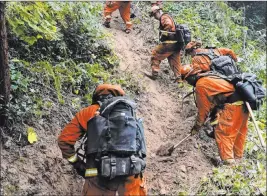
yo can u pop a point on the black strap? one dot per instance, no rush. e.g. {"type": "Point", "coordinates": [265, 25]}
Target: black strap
{"type": "Point", "coordinates": [233, 98]}
{"type": "Point", "coordinates": [113, 166]}
{"type": "Point", "coordinates": [82, 147]}
{"type": "Point", "coordinates": [102, 145]}
{"type": "Point", "coordinates": [133, 161]}
{"type": "Point", "coordinates": [194, 94]}
{"type": "Point", "coordinates": [211, 54]}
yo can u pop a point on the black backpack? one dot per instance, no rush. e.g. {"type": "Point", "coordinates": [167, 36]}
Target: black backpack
{"type": "Point", "coordinates": [247, 87]}
{"type": "Point", "coordinates": [224, 65]}
{"type": "Point", "coordinates": [115, 138]}
{"type": "Point", "coordinates": [182, 33]}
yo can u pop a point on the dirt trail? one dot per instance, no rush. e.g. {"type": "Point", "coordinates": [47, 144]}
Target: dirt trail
{"type": "Point", "coordinates": [164, 120]}
{"type": "Point", "coordinates": [39, 169]}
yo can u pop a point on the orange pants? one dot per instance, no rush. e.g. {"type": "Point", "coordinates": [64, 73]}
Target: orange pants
{"type": "Point", "coordinates": [163, 51]}
{"type": "Point", "coordinates": [124, 8]}
{"type": "Point", "coordinates": [231, 131]}
{"type": "Point", "coordinates": [130, 186]}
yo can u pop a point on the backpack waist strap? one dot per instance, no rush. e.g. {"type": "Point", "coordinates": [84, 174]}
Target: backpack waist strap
{"type": "Point", "coordinates": [234, 98]}
{"type": "Point", "coordinates": [237, 103]}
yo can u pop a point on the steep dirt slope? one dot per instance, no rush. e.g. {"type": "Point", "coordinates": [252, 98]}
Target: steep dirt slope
{"type": "Point", "coordinates": [39, 169]}
{"type": "Point", "coordinates": [164, 119]}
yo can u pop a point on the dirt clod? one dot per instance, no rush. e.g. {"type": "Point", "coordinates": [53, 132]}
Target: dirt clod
{"type": "Point", "coordinates": [165, 150]}
{"type": "Point", "coordinates": [165, 159]}
{"type": "Point", "coordinates": [182, 168]}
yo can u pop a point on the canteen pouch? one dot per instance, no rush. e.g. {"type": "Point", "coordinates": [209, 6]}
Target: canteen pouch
{"type": "Point", "coordinates": [121, 166]}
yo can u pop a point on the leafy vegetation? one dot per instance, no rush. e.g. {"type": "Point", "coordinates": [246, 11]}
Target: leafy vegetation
{"type": "Point", "coordinates": [217, 24]}
{"type": "Point", "coordinates": [57, 57]}
{"type": "Point", "coordinates": [247, 178]}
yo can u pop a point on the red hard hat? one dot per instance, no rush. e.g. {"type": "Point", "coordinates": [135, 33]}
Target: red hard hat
{"type": "Point", "coordinates": [185, 71]}
{"type": "Point", "coordinates": [106, 89]}
{"type": "Point", "coordinates": [188, 70]}
{"type": "Point", "coordinates": [193, 45]}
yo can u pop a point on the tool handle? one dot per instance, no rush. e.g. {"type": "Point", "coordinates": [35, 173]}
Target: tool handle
{"type": "Point", "coordinates": [256, 126]}
{"type": "Point", "coordinates": [175, 146]}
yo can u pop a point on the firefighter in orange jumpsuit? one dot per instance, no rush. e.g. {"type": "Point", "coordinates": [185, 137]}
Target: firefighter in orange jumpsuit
{"type": "Point", "coordinates": [231, 124]}
{"type": "Point", "coordinates": [125, 12]}
{"type": "Point", "coordinates": [168, 48]}
{"type": "Point", "coordinates": [194, 47]}
{"type": "Point", "coordinates": [74, 131]}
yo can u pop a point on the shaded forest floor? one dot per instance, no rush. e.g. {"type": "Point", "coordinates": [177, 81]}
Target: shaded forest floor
{"type": "Point", "coordinates": [40, 170]}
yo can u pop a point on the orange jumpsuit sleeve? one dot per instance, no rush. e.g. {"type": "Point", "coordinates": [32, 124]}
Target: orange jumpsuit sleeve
{"type": "Point", "coordinates": [167, 23]}
{"type": "Point", "coordinates": [227, 51]}
{"type": "Point", "coordinates": [206, 89]}
{"type": "Point", "coordinates": [75, 130]}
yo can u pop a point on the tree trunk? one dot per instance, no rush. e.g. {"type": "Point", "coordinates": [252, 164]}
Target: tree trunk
{"type": "Point", "coordinates": [4, 69]}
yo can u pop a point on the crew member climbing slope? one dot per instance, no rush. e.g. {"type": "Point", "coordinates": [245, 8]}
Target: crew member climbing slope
{"type": "Point", "coordinates": [125, 12]}
{"type": "Point", "coordinates": [108, 168]}
{"type": "Point", "coordinates": [168, 48]}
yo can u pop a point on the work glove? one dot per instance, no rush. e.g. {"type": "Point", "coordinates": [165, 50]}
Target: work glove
{"type": "Point", "coordinates": [195, 130]}
{"type": "Point", "coordinates": [110, 3]}
{"type": "Point", "coordinates": [80, 167]}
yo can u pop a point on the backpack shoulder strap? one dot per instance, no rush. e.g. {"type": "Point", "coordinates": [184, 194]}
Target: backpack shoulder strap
{"type": "Point", "coordinates": [213, 74]}
{"type": "Point", "coordinates": [209, 54]}
{"type": "Point", "coordinates": [109, 105]}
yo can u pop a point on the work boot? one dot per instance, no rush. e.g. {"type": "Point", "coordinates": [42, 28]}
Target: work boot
{"type": "Point", "coordinates": [238, 161]}
{"type": "Point", "coordinates": [127, 31]}
{"type": "Point", "coordinates": [107, 24]}
{"type": "Point", "coordinates": [155, 74]}
{"type": "Point", "coordinates": [216, 161]}
{"type": "Point", "coordinates": [155, 71]}
{"type": "Point", "coordinates": [230, 162]}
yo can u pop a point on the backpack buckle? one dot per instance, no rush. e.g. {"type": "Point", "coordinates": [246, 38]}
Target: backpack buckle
{"type": "Point", "coordinates": [133, 159]}
{"type": "Point", "coordinates": [112, 161]}
{"type": "Point", "coordinates": [127, 120]}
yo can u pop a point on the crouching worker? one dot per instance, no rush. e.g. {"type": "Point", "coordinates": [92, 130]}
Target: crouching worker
{"type": "Point", "coordinates": [232, 117]}
{"type": "Point", "coordinates": [115, 147]}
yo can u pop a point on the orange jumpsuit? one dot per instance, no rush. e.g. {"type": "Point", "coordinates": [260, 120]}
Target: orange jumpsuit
{"type": "Point", "coordinates": [94, 185]}
{"type": "Point", "coordinates": [231, 130]}
{"type": "Point", "coordinates": [124, 8]}
{"type": "Point", "coordinates": [168, 49]}
{"type": "Point", "coordinates": [203, 61]}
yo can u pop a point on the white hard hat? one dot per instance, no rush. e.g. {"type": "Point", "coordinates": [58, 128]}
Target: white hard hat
{"type": "Point", "coordinates": [155, 8]}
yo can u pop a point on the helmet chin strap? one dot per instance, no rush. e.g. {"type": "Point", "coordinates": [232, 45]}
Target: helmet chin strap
{"type": "Point", "coordinates": [192, 80]}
